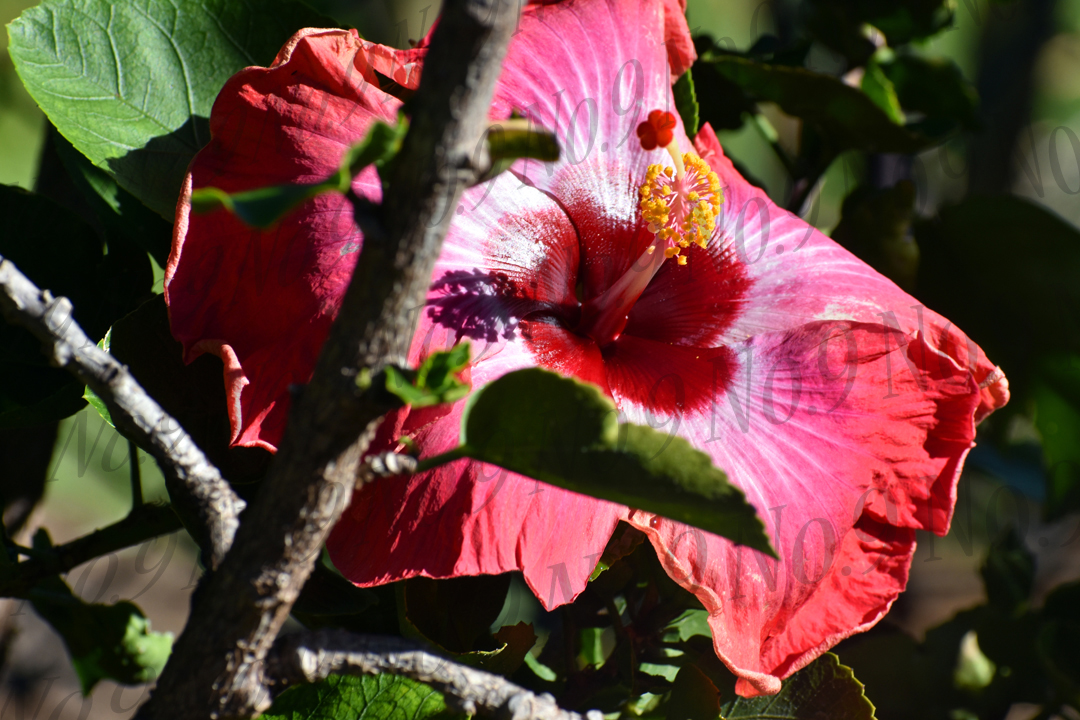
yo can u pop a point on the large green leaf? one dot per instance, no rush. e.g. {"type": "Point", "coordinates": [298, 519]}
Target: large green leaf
{"type": "Point", "coordinates": [1004, 269]}
{"type": "Point", "coordinates": [845, 117]}
{"type": "Point", "coordinates": [63, 254]}
{"type": "Point", "coordinates": [456, 613]}
{"type": "Point", "coordinates": [120, 213]}
{"type": "Point", "coordinates": [378, 697]}
{"type": "Point", "coordinates": [567, 433]}
{"type": "Point", "coordinates": [822, 689]}
{"type": "Point", "coordinates": [1008, 573]}
{"type": "Point", "coordinates": [130, 82]}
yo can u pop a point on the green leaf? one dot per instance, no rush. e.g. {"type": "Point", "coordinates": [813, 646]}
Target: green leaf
{"type": "Point", "coordinates": [63, 254]}
{"type": "Point", "coordinates": [327, 598]}
{"type": "Point", "coordinates": [876, 226]}
{"type": "Point", "coordinates": [104, 641]}
{"type": "Point", "coordinates": [693, 696]}
{"type": "Point", "coordinates": [879, 88]}
{"type": "Point", "coordinates": [937, 89]}
{"type": "Point", "coordinates": [514, 641]}
{"type": "Point", "coordinates": [378, 697]}
{"type": "Point", "coordinates": [1056, 394]}
{"type": "Point", "coordinates": [264, 207]}
{"type": "Point", "coordinates": [686, 102]}
{"type": "Point", "coordinates": [692, 622]}
{"type": "Point", "coordinates": [1004, 269]}
{"type": "Point", "coordinates": [1009, 573]}
{"type": "Point", "coordinates": [131, 83]}
{"type": "Point", "coordinates": [566, 433]}
{"type": "Point", "coordinates": [92, 397]}
{"type": "Point", "coordinates": [433, 383]}
{"type": "Point", "coordinates": [456, 613]}
{"type": "Point", "coordinates": [845, 117]}
{"type": "Point", "coordinates": [822, 689]}
{"type": "Point", "coordinates": [121, 214]}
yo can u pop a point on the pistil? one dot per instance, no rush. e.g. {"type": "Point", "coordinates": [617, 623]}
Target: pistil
{"type": "Point", "coordinates": [680, 205]}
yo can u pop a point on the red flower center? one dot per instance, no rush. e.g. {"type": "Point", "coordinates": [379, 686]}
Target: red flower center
{"type": "Point", "coordinates": [595, 298]}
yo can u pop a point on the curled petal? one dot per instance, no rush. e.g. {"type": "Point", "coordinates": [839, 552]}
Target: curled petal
{"type": "Point", "coordinates": [263, 300]}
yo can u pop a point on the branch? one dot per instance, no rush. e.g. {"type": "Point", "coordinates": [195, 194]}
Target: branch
{"type": "Point", "coordinates": [312, 656]}
{"type": "Point", "coordinates": [143, 523]}
{"type": "Point", "coordinates": [216, 665]}
{"type": "Point", "coordinates": [195, 485]}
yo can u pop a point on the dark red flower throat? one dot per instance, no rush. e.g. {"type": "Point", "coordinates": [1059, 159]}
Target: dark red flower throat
{"type": "Point", "coordinates": [660, 348]}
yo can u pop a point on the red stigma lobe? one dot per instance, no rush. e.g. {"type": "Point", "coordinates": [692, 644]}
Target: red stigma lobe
{"type": "Point", "coordinates": [657, 131]}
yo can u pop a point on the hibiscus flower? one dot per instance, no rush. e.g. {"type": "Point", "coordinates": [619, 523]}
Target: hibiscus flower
{"type": "Point", "coordinates": [641, 262]}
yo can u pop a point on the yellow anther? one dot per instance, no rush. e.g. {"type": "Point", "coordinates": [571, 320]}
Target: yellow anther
{"type": "Point", "coordinates": [681, 207]}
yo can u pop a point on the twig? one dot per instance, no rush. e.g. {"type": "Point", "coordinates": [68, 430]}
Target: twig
{"type": "Point", "coordinates": [216, 665]}
{"type": "Point", "coordinates": [387, 464]}
{"type": "Point", "coordinates": [312, 656]}
{"type": "Point", "coordinates": [195, 485]}
{"type": "Point", "coordinates": [136, 476]}
{"type": "Point", "coordinates": [143, 523]}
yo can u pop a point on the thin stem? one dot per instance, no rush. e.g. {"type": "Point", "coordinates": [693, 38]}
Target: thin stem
{"type": "Point", "coordinates": [136, 476]}
{"type": "Point", "coordinates": [442, 458]}
{"type": "Point", "coordinates": [141, 524]}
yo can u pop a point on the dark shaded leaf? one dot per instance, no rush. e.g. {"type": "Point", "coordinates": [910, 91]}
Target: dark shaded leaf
{"type": "Point", "coordinates": [937, 89]}
{"type": "Point", "coordinates": [341, 697]}
{"type": "Point", "coordinates": [514, 643]}
{"type": "Point", "coordinates": [822, 689]}
{"type": "Point", "coordinates": [693, 696]}
{"type": "Point", "coordinates": [60, 253]}
{"type": "Point", "coordinates": [1008, 573]}
{"type": "Point", "coordinates": [1004, 269]}
{"type": "Point", "coordinates": [1056, 393]}
{"type": "Point", "coordinates": [193, 394]}
{"type": "Point", "coordinates": [566, 432]}
{"type": "Point", "coordinates": [131, 84]}
{"type": "Point", "coordinates": [844, 117]}
{"type": "Point", "coordinates": [839, 23]}
{"type": "Point", "coordinates": [876, 226]}
{"type": "Point", "coordinates": [327, 598]}
{"type": "Point", "coordinates": [457, 613]}
{"type": "Point", "coordinates": [121, 214]}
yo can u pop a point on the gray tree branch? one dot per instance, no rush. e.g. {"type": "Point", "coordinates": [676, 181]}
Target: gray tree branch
{"type": "Point", "coordinates": [312, 656]}
{"type": "Point", "coordinates": [216, 667]}
{"type": "Point", "coordinates": [196, 487]}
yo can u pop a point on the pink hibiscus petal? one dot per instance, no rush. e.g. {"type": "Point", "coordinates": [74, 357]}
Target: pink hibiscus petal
{"type": "Point", "coordinates": [469, 518]}
{"type": "Point", "coordinates": [828, 432]}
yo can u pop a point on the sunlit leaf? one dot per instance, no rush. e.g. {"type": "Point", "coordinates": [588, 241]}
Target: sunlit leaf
{"type": "Point", "coordinates": [131, 84]}
{"type": "Point", "coordinates": [567, 433]}
{"type": "Point", "coordinates": [822, 689]}
{"type": "Point", "coordinates": [341, 697]}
